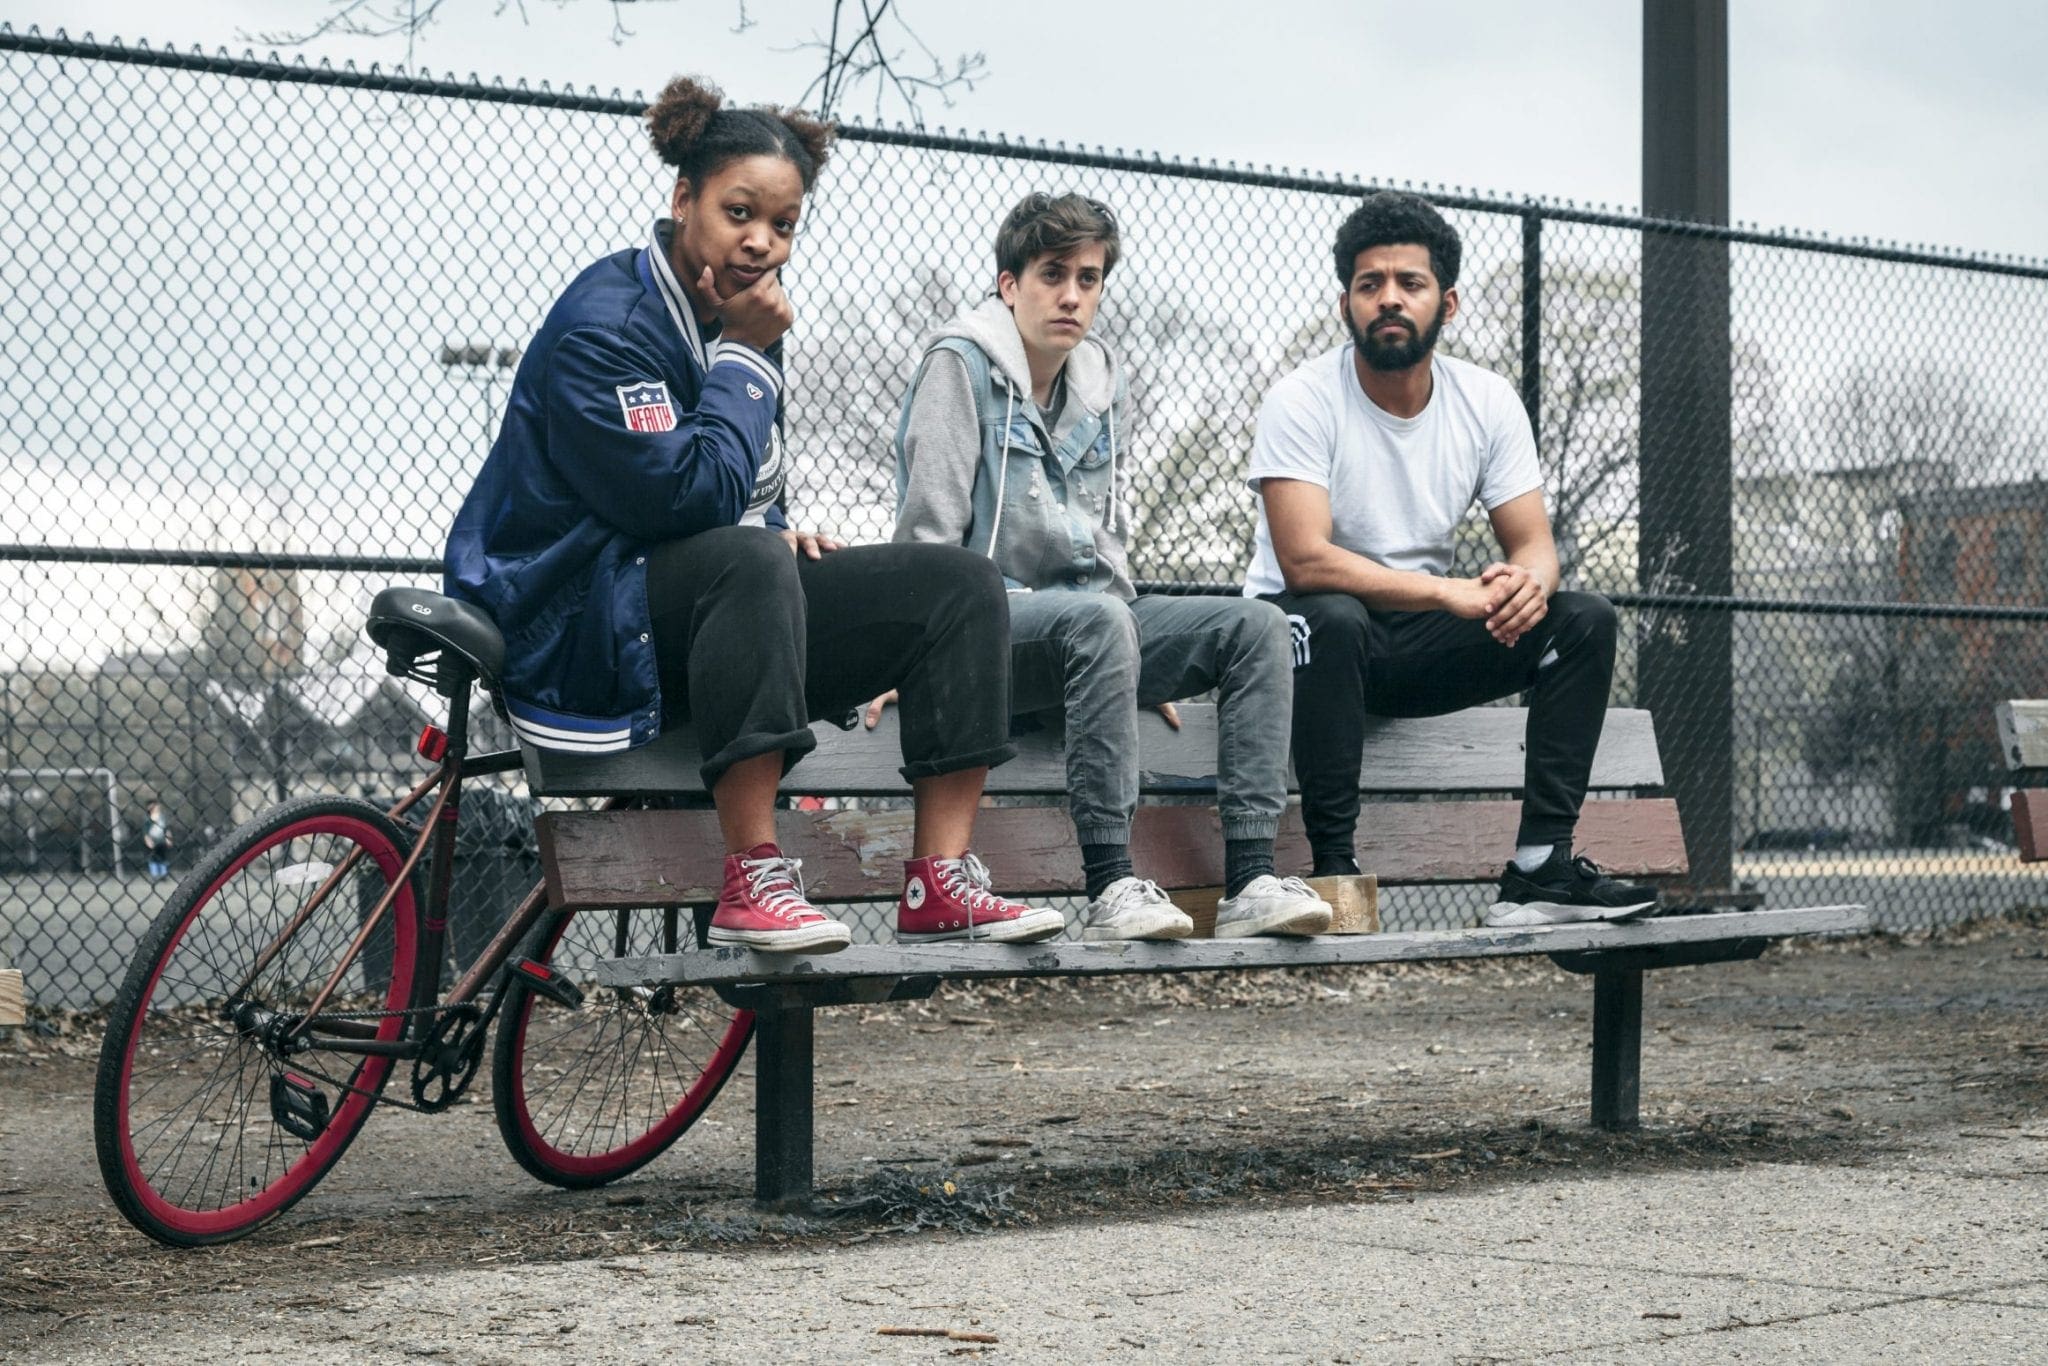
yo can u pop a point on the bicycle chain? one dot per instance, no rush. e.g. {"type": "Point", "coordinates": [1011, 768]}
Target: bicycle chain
{"type": "Point", "coordinates": [378, 1097]}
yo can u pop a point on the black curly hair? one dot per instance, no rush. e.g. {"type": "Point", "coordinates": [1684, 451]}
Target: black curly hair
{"type": "Point", "coordinates": [695, 131]}
{"type": "Point", "coordinates": [1393, 218]}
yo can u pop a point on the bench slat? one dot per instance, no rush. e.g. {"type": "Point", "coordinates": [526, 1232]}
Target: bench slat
{"type": "Point", "coordinates": [2023, 733]}
{"type": "Point", "coordinates": [1479, 750]}
{"type": "Point", "coordinates": [664, 858]}
{"type": "Point", "coordinates": [2030, 823]}
{"type": "Point", "coordinates": [722, 966]}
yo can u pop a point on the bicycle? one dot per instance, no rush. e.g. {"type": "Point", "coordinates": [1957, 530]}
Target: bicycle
{"type": "Point", "coordinates": [296, 968]}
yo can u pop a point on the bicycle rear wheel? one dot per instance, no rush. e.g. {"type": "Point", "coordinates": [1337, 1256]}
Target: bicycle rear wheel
{"type": "Point", "coordinates": [204, 1125]}
{"type": "Point", "coordinates": [586, 1095]}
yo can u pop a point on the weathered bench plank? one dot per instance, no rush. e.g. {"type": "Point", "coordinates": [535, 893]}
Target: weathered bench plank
{"type": "Point", "coordinates": [1471, 751]}
{"type": "Point", "coordinates": [2023, 739]}
{"type": "Point", "coordinates": [2030, 823]}
{"type": "Point", "coordinates": [13, 998]}
{"type": "Point", "coordinates": [674, 858]}
{"type": "Point", "coordinates": [731, 966]}
{"type": "Point", "coordinates": [2023, 733]}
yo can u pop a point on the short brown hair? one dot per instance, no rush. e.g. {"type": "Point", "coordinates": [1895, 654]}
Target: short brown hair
{"type": "Point", "coordinates": [1044, 225]}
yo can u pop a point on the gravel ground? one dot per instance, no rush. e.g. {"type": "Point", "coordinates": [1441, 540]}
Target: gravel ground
{"type": "Point", "coordinates": [1844, 1154]}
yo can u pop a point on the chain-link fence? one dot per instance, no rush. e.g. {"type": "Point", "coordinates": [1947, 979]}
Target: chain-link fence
{"type": "Point", "coordinates": [262, 320]}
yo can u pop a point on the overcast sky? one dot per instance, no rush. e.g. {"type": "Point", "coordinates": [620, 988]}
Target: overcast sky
{"type": "Point", "coordinates": [1904, 121]}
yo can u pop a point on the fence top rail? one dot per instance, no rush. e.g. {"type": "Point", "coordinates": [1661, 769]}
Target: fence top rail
{"type": "Point", "coordinates": [398, 81]}
{"type": "Point", "coordinates": [285, 561]}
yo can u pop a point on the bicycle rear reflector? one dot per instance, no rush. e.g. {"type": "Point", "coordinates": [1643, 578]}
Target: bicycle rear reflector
{"type": "Point", "coordinates": [433, 744]}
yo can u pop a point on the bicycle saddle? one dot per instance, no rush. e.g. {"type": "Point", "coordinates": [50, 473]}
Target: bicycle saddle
{"type": "Point", "coordinates": [410, 622]}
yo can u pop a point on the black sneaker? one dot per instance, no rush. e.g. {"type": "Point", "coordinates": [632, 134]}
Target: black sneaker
{"type": "Point", "coordinates": [1563, 888]}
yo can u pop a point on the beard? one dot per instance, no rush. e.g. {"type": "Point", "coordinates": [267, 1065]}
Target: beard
{"type": "Point", "coordinates": [1403, 349]}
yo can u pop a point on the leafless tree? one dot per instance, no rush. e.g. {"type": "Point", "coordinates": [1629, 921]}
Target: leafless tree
{"type": "Point", "coordinates": [865, 48]}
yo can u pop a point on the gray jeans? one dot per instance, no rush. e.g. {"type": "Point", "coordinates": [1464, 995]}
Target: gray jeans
{"type": "Point", "coordinates": [1094, 660]}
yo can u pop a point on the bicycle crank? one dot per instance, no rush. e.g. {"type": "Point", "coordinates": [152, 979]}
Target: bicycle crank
{"type": "Point", "coordinates": [448, 1059]}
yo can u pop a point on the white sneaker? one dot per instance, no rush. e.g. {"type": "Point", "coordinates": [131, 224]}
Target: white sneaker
{"type": "Point", "coordinates": [1272, 905]}
{"type": "Point", "coordinates": [1134, 908]}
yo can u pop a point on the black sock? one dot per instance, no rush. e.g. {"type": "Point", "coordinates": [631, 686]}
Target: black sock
{"type": "Point", "coordinates": [1334, 863]}
{"type": "Point", "coordinates": [1103, 864]}
{"type": "Point", "coordinates": [1244, 860]}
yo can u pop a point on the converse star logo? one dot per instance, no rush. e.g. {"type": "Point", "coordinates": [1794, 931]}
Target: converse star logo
{"type": "Point", "coordinates": [754, 391]}
{"type": "Point", "coordinates": [913, 895]}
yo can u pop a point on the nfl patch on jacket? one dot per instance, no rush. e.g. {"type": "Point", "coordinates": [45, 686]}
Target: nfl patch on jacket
{"type": "Point", "coordinates": [647, 408]}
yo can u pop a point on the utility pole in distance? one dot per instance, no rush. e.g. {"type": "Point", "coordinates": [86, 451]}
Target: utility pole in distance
{"type": "Point", "coordinates": [1685, 666]}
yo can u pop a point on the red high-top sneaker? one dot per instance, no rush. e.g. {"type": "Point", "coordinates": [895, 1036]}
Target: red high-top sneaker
{"type": "Point", "coordinates": [949, 898]}
{"type": "Point", "coordinates": [762, 906]}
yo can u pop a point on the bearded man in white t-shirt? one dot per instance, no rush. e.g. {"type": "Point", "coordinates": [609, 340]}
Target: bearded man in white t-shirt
{"type": "Point", "coordinates": [1366, 459]}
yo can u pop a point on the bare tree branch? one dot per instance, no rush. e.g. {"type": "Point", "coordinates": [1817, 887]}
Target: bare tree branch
{"type": "Point", "coordinates": [875, 54]}
{"type": "Point", "coordinates": [408, 19]}
{"type": "Point", "coordinates": [867, 44]}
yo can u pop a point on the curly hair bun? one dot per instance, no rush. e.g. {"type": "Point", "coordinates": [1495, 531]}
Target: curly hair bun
{"type": "Point", "coordinates": [679, 116]}
{"type": "Point", "coordinates": [815, 137]}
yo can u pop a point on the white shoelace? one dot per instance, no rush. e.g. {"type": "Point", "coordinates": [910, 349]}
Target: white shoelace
{"type": "Point", "coordinates": [787, 899]}
{"type": "Point", "coordinates": [967, 877]}
{"type": "Point", "coordinates": [1139, 891]}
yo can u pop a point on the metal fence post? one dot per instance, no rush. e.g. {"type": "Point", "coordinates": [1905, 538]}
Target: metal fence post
{"type": "Point", "coordinates": [1686, 531]}
{"type": "Point", "coordinates": [1532, 322]}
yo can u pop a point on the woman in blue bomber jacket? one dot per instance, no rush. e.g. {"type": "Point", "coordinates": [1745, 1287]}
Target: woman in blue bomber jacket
{"type": "Point", "coordinates": [626, 535]}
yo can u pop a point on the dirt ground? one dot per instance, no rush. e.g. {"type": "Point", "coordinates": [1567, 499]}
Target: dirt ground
{"type": "Point", "coordinates": [991, 1109]}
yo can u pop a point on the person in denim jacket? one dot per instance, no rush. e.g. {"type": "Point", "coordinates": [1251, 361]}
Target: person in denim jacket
{"type": "Point", "coordinates": [1012, 444]}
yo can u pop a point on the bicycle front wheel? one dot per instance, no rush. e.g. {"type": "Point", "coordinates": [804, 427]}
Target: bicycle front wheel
{"type": "Point", "coordinates": [207, 1118]}
{"type": "Point", "coordinates": [586, 1095]}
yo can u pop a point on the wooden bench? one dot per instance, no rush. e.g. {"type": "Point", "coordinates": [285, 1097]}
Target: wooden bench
{"type": "Point", "coordinates": [13, 999]}
{"type": "Point", "coordinates": [627, 858]}
{"type": "Point", "coordinates": [2023, 739]}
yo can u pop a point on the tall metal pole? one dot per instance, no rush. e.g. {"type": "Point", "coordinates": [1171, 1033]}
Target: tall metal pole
{"type": "Point", "coordinates": [1685, 674]}
{"type": "Point", "coordinates": [1532, 321]}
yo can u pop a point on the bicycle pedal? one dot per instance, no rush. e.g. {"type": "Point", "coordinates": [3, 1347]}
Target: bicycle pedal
{"type": "Point", "coordinates": [549, 983]}
{"type": "Point", "coordinates": [297, 1106]}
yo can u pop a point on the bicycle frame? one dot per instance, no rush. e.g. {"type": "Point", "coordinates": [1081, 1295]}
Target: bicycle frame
{"type": "Point", "coordinates": [455, 764]}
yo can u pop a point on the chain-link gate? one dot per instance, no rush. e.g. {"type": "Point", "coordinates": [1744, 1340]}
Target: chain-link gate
{"type": "Point", "coordinates": [262, 318]}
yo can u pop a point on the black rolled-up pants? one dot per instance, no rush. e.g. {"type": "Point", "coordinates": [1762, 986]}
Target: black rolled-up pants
{"type": "Point", "coordinates": [1350, 660]}
{"type": "Point", "coordinates": [754, 642]}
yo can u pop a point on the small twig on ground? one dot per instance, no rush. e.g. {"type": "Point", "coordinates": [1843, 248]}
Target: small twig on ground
{"type": "Point", "coordinates": [951, 1334]}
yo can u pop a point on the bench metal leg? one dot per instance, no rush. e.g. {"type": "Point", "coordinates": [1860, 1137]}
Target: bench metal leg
{"type": "Point", "coordinates": [1617, 1047]}
{"type": "Point", "coordinates": [782, 1109]}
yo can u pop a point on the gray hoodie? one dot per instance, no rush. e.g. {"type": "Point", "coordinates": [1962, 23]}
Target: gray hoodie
{"type": "Point", "coordinates": [977, 466]}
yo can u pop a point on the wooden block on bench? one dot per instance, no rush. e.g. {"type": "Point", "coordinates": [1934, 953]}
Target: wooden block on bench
{"type": "Point", "coordinates": [1354, 904]}
{"type": "Point", "coordinates": [13, 998]}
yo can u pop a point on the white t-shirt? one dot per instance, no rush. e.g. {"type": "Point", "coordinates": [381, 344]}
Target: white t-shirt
{"type": "Point", "coordinates": [1398, 486]}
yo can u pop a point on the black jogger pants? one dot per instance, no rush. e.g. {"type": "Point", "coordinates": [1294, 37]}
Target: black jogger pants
{"type": "Point", "coordinates": [754, 642]}
{"type": "Point", "coordinates": [1350, 660]}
